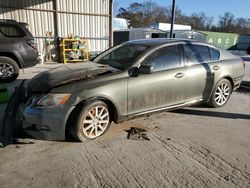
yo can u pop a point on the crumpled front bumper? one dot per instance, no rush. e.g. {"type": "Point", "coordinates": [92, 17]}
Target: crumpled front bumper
{"type": "Point", "coordinates": [46, 123]}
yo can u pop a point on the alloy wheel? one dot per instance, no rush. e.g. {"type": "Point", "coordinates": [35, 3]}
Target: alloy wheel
{"type": "Point", "coordinates": [95, 121]}
{"type": "Point", "coordinates": [6, 70]}
{"type": "Point", "coordinates": [222, 93]}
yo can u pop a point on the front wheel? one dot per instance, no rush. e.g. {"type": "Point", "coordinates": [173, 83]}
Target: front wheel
{"type": "Point", "coordinates": [93, 121]}
{"type": "Point", "coordinates": [221, 94]}
{"type": "Point", "coordinates": [9, 69]}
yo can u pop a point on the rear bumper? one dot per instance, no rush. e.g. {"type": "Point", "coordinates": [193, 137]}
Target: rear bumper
{"type": "Point", "coordinates": [237, 82]}
{"type": "Point", "coordinates": [31, 63]}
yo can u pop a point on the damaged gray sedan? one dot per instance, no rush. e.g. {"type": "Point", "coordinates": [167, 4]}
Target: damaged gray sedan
{"type": "Point", "coordinates": [134, 78]}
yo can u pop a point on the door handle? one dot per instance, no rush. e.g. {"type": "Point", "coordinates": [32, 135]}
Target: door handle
{"type": "Point", "coordinates": [179, 75]}
{"type": "Point", "coordinates": [216, 67]}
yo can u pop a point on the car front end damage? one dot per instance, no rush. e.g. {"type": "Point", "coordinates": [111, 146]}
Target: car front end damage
{"type": "Point", "coordinates": [24, 114]}
{"type": "Point", "coordinates": [44, 122]}
{"type": "Point", "coordinates": [38, 109]}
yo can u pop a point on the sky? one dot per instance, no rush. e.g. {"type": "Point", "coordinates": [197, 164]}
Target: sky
{"type": "Point", "coordinates": [212, 8]}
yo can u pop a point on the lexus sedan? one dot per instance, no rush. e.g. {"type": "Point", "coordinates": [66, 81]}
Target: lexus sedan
{"type": "Point", "coordinates": [134, 78]}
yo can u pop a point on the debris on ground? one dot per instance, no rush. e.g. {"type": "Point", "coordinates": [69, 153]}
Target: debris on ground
{"type": "Point", "coordinates": [137, 134]}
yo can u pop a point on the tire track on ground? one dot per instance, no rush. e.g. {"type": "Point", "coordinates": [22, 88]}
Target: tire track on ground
{"type": "Point", "coordinates": [207, 162]}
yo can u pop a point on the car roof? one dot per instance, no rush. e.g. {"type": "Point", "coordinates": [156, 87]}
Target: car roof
{"type": "Point", "coordinates": [13, 22]}
{"type": "Point", "coordinates": [8, 21]}
{"type": "Point", "coordinates": [157, 41]}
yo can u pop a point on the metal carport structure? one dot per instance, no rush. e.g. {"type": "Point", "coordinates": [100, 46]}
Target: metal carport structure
{"type": "Point", "coordinates": [91, 19]}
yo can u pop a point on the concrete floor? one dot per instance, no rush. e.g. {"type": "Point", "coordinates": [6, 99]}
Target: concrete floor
{"type": "Point", "coordinates": [192, 147]}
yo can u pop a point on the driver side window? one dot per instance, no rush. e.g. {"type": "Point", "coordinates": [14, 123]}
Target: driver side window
{"type": "Point", "coordinates": [165, 58]}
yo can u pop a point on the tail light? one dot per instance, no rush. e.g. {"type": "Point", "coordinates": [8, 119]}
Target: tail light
{"type": "Point", "coordinates": [244, 64]}
{"type": "Point", "coordinates": [32, 43]}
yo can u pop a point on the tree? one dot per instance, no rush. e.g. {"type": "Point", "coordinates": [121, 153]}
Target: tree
{"type": "Point", "coordinates": [146, 13]}
{"type": "Point", "coordinates": [242, 25]}
{"type": "Point", "coordinates": [226, 22]}
{"type": "Point", "coordinates": [143, 14]}
{"type": "Point", "coordinates": [180, 18]}
{"type": "Point", "coordinates": [199, 21]}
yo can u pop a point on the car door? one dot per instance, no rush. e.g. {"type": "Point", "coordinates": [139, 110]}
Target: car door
{"type": "Point", "coordinates": [202, 67]}
{"type": "Point", "coordinates": [165, 86]}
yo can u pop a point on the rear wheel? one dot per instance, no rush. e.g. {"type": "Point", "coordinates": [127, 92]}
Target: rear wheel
{"type": "Point", "coordinates": [9, 69]}
{"type": "Point", "coordinates": [93, 121]}
{"type": "Point", "coordinates": [221, 94]}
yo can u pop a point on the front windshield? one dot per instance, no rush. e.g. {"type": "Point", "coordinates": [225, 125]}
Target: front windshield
{"type": "Point", "coordinates": [123, 57]}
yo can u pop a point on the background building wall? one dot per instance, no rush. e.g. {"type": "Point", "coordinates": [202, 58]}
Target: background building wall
{"type": "Point", "coordinates": [91, 19]}
{"type": "Point", "coordinates": [85, 18]}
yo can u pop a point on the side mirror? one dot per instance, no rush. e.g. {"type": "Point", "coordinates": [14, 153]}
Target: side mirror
{"type": "Point", "coordinates": [133, 72]}
{"type": "Point", "coordinates": [145, 69]}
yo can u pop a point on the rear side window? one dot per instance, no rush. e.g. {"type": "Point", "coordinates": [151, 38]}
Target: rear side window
{"type": "Point", "coordinates": [215, 54]}
{"type": "Point", "coordinates": [195, 54]}
{"type": "Point", "coordinates": [9, 30]}
{"type": "Point", "coordinates": [165, 58]}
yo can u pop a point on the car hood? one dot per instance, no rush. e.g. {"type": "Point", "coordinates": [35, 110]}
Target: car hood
{"type": "Point", "coordinates": [66, 74]}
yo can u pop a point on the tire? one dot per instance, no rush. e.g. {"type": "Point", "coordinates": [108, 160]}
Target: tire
{"type": "Point", "coordinates": [89, 124]}
{"type": "Point", "coordinates": [9, 69]}
{"type": "Point", "coordinates": [221, 94]}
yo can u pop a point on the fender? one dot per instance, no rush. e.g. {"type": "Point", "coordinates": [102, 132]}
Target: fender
{"type": "Point", "coordinates": [223, 77]}
{"type": "Point", "coordinates": [117, 115]}
{"type": "Point", "coordinates": [15, 54]}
